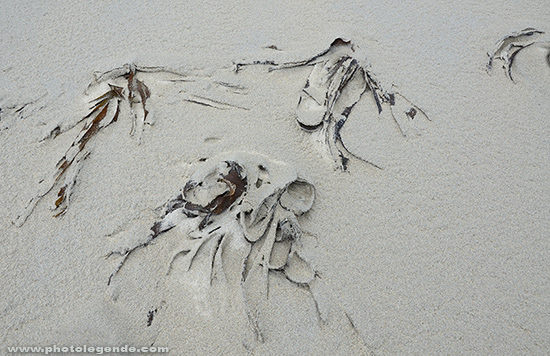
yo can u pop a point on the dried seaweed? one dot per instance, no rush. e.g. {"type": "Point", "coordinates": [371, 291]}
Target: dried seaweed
{"type": "Point", "coordinates": [510, 46]}
{"type": "Point", "coordinates": [137, 91]}
{"type": "Point", "coordinates": [335, 85]}
{"type": "Point", "coordinates": [240, 197]}
{"type": "Point", "coordinates": [233, 88]}
{"type": "Point", "coordinates": [150, 316]}
{"type": "Point", "coordinates": [200, 100]}
{"type": "Point", "coordinates": [11, 113]}
{"type": "Point", "coordinates": [104, 111]}
{"type": "Point", "coordinates": [121, 83]}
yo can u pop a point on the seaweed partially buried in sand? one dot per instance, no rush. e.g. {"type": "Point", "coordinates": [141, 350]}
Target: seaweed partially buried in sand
{"type": "Point", "coordinates": [115, 86]}
{"type": "Point", "coordinates": [105, 111]}
{"type": "Point", "coordinates": [335, 85]}
{"type": "Point", "coordinates": [508, 47]}
{"type": "Point", "coordinates": [246, 202]}
{"type": "Point", "coordinates": [13, 112]}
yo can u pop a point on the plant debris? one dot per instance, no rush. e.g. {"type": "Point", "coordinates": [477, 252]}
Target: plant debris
{"type": "Point", "coordinates": [244, 198]}
{"type": "Point", "coordinates": [104, 111]}
{"type": "Point", "coordinates": [137, 92]}
{"type": "Point", "coordinates": [216, 104]}
{"type": "Point", "coordinates": [120, 84]}
{"type": "Point", "coordinates": [510, 46]}
{"type": "Point", "coordinates": [13, 112]}
{"type": "Point", "coordinates": [150, 316]}
{"type": "Point", "coordinates": [335, 85]}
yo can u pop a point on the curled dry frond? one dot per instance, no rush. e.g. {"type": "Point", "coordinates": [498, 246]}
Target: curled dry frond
{"type": "Point", "coordinates": [335, 85]}
{"type": "Point", "coordinates": [508, 47]}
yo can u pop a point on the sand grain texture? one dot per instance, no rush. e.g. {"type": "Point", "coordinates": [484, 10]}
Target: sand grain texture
{"type": "Point", "coordinates": [444, 250]}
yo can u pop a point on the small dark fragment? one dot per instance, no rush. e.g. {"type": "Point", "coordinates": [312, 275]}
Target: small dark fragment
{"type": "Point", "coordinates": [238, 66]}
{"type": "Point", "coordinates": [176, 203]}
{"type": "Point", "coordinates": [150, 316]}
{"type": "Point", "coordinates": [411, 113]}
{"type": "Point", "coordinates": [390, 98]}
{"type": "Point", "coordinates": [55, 132]}
{"type": "Point", "coordinates": [144, 93]}
{"type": "Point", "coordinates": [344, 160]}
{"type": "Point", "coordinates": [159, 228]}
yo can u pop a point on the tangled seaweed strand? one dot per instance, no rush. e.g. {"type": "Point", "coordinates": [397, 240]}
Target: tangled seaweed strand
{"type": "Point", "coordinates": [335, 85]}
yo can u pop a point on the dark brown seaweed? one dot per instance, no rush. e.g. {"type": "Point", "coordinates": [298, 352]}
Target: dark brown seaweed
{"type": "Point", "coordinates": [96, 119]}
{"type": "Point", "coordinates": [236, 184]}
{"type": "Point", "coordinates": [150, 316]}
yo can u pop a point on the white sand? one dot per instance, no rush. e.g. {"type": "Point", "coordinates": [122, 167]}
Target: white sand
{"type": "Point", "coordinates": [444, 251]}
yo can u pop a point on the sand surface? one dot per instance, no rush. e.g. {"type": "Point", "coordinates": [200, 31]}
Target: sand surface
{"type": "Point", "coordinates": [443, 250]}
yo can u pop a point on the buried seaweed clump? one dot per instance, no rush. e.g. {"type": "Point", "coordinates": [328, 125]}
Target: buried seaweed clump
{"type": "Point", "coordinates": [246, 200]}
{"type": "Point", "coordinates": [337, 82]}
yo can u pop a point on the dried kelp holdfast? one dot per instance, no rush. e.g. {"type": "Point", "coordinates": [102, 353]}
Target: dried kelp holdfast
{"type": "Point", "coordinates": [228, 183]}
{"type": "Point", "coordinates": [246, 200]}
{"type": "Point", "coordinates": [508, 47]}
{"type": "Point", "coordinates": [335, 85]}
{"type": "Point", "coordinates": [224, 189]}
